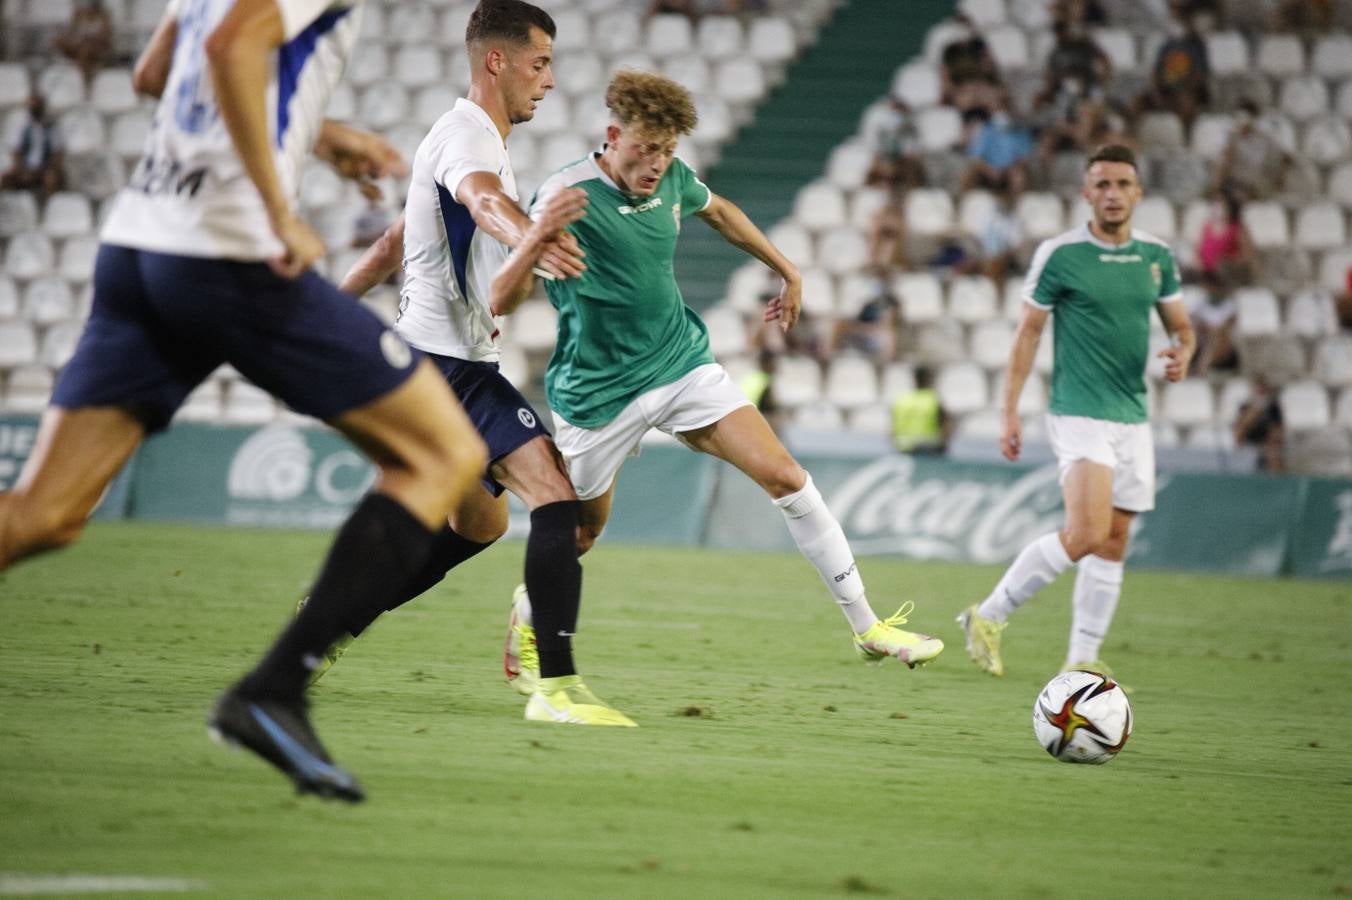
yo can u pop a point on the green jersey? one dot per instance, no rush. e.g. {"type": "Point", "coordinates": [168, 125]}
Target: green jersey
{"type": "Point", "coordinates": [623, 327]}
{"type": "Point", "coordinates": [1102, 296]}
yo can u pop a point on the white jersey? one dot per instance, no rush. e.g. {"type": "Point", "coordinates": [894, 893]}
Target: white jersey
{"type": "Point", "coordinates": [190, 194]}
{"type": "Point", "coordinates": [449, 263]}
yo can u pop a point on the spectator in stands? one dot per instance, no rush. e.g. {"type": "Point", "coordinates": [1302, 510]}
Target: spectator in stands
{"type": "Point", "coordinates": [1091, 122]}
{"type": "Point", "coordinates": [1076, 68]}
{"type": "Point", "coordinates": [1312, 17]}
{"type": "Point", "coordinates": [38, 154]}
{"type": "Point", "coordinates": [1085, 13]}
{"type": "Point", "coordinates": [919, 422]}
{"type": "Point", "coordinates": [687, 8]}
{"type": "Point", "coordinates": [1213, 318]}
{"type": "Point", "coordinates": [1254, 163]}
{"type": "Point", "coordinates": [872, 330]}
{"type": "Point", "coordinates": [1343, 303]}
{"type": "Point", "coordinates": [1225, 249]}
{"type": "Point", "coordinates": [1259, 424]}
{"type": "Point", "coordinates": [887, 233]}
{"type": "Point", "coordinates": [968, 74]}
{"type": "Point", "coordinates": [889, 130]}
{"type": "Point", "coordinates": [804, 339]}
{"type": "Point", "coordinates": [1180, 81]}
{"type": "Point", "coordinates": [997, 148]}
{"type": "Point", "coordinates": [998, 241]}
{"type": "Point", "coordinates": [1207, 15]}
{"type": "Point", "coordinates": [87, 39]}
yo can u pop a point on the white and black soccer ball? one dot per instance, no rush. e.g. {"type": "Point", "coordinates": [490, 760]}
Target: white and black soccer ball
{"type": "Point", "coordinates": [1082, 717]}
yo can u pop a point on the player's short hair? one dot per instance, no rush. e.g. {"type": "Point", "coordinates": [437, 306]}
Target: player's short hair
{"type": "Point", "coordinates": [650, 102]}
{"type": "Point", "coordinates": [1118, 153]}
{"type": "Point", "coordinates": [506, 20]}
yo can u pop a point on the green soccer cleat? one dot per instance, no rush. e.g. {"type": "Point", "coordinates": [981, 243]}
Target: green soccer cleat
{"type": "Point", "coordinates": [520, 657]}
{"type": "Point", "coordinates": [1098, 667]}
{"type": "Point", "coordinates": [331, 655]}
{"type": "Point", "coordinates": [884, 639]}
{"type": "Point", "coordinates": [983, 640]}
{"type": "Point", "coordinates": [566, 700]}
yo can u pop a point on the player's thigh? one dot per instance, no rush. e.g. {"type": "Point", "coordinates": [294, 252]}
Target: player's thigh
{"type": "Point", "coordinates": [481, 515]}
{"type": "Point", "coordinates": [744, 439]}
{"type": "Point", "coordinates": [1114, 547]}
{"type": "Point", "coordinates": [535, 472]}
{"type": "Point", "coordinates": [592, 517]}
{"type": "Point", "coordinates": [1088, 492]}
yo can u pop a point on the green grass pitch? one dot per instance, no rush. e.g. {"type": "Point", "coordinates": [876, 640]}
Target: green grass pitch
{"type": "Point", "coordinates": [769, 761]}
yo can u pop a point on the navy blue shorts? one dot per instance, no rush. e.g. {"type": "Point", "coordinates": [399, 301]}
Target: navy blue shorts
{"type": "Point", "coordinates": [161, 324]}
{"type": "Point", "coordinates": [503, 417]}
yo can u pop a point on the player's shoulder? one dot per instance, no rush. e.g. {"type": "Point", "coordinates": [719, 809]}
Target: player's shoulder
{"type": "Point", "coordinates": [1156, 243]}
{"type": "Point", "coordinates": [574, 174]}
{"type": "Point", "coordinates": [1065, 240]}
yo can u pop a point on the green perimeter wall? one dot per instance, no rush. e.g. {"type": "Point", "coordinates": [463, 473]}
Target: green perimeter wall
{"type": "Point", "coordinates": [916, 507]}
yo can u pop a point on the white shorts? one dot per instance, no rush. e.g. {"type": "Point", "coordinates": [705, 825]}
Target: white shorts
{"type": "Point", "coordinates": [700, 397]}
{"type": "Point", "coordinates": [1127, 449]}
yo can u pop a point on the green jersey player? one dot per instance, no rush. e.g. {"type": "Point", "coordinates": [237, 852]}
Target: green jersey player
{"type": "Point", "coordinates": [632, 356]}
{"type": "Point", "coordinates": [1101, 281]}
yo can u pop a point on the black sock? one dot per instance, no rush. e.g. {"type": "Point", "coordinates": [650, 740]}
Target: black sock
{"type": "Point", "coordinates": [379, 544]}
{"type": "Point", "coordinates": [448, 551]}
{"type": "Point", "coordinates": [554, 582]}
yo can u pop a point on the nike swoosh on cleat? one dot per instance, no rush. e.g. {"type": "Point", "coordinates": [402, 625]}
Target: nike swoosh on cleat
{"type": "Point", "coordinates": [306, 763]}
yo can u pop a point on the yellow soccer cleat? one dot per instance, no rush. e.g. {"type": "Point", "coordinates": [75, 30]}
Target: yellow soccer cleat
{"type": "Point", "coordinates": [567, 701]}
{"type": "Point", "coordinates": [520, 657]}
{"type": "Point", "coordinates": [983, 640]}
{"type": "Point", "coordinates": [884, 639]}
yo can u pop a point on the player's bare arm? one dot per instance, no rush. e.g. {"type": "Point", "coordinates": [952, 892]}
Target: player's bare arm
{"type": "Point", "coordinates": [515, 280]}
{"type": "Point", "coordinates": [152, 67]}
{"type": "Point", "coordinates": [498, 214]}
{"type": "Point", "coordinates": [381, 260]}
{"type": "Point", "coordinates": [1180, 352]}
{"type": "Point", "coordinates": [1021, 355]}
{"type": "Point", "coordinates": [737, 229]}
{"type": "Point", "coordinates": [239, 55]}
{"type": "Point", "coordinates": [360, 156]}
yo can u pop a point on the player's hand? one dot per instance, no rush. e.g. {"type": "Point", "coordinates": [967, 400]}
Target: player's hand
{"type": "Point", "coordinates": [1011, 436]}
{"type": "Point", "coordinates": [302, 244]}
{"type": "Point", "coordinates": [786, 307]}
{"type": "Point", "coordinates": [563, 208]}
{"type": "Point", "coordinates": [563, 257]}
{"type": "Point", "coordinates": [1176, 369]}
{"type": "Point", "coordinates": [361, 156]}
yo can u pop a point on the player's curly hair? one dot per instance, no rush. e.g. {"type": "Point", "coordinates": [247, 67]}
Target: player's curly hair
{"type": "Point", "coordinates": [650, 102]}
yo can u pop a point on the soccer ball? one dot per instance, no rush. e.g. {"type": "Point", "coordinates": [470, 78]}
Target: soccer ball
{"type": "Point", "coordinates": [1082, 717]}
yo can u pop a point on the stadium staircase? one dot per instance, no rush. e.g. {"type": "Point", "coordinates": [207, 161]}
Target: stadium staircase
{"type": "Point", "coordinates": [787, 144]}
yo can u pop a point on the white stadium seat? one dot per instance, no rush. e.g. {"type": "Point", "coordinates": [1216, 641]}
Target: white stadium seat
{"type": "Point", "coordinates": [820, 206]}
{"type": "Point", "coordinates": [573, 30]}
{"type": "Point", "coordinates": [76, 263]}
{"type": "Point", "coordinates": [1189, 403]}
{"type": "Point", "coordinates": [1303, 97]}
{"type": "Point", "coordinates": [771, 40]}
{"type": "Point", "coordinates": [1119, 45]}
{"type": "Point", "coordinates": [418, 66]}
{"type": "Point", "coordinates": [67, 214]}
{"type": "Point", "coordinates": [727, 332]}
{"type": "Point", "coordinates": [9, 298]}
{"type": "Point", "coordinates": [383, 104]}
{"type": "Point", "coordinates": [48, 300]}
{"type": "Point", "coordinates": [1161, 131]}
{"type": "Point", "coordinates": [715, 123]}
{"type": "Point", "coordinates": [1259, 313]}
{"type": "Point", "coordinates": [1281, 55]}
{"type": "Point", "coordinates": [411, 23]}
{"type": "Point", "coordinates": [975, 209]}
{"type": "Point", "coordinates": [851, 382]}
{"type": "Point", "coordinates": [929, 211]}
{"type": "Point", "coordinates": [820, 416]}
{"type": "Point", "coordinates": [972, 299]}
{"type": "Point", "coordinates": [1340, 185]}
{"type": "Point", "coordinates": [874, 419]}
{"type": "Point", "coordinates": [1332, 57]}
{"type": "Point", "coordinates": [1311, 314]}
{"type": "Point", "coordinates": [668, 34]}
{"type": "Point", "coordinates": [794, 241]}
{"type": "Point", "coordinates": [1040, 215]}
{"type": "Point", "coordinates": [29, 255]}
{"type": "Point", "coordinates": [739, 80]}
{"type": "Point", "coordinates": [1009, 46]}
{"type": "Point", "coordinates": [1267, 224]}
{"type": "Point", "coordinates": [1333, 269]}
{"type": "Point", "coordinates": [1321, 226]}
{"type": "Point", "coordinates": [583, 71]}
{"type": "Point", "coordinates": [622, 33]}
{"type": "Point", "coordinates": [128, 135]}
{"type": "Point", "coordinates": [983, 13]}
{"type": "Point", "coordinates": [1327, 140]}
{"type": "Point", "coordinates": [917, 85]}
{"type": "Point", "coordinates": [962, 388]}
{"type": "Point", "coordinates": [15, 86]}
{"type": "Point", "coordinates": [842, 250]}
{"type": "Point", "coordinates": [848, 165]}
{"type": "Point", "coordinates": [819, 294]}
{"type": "Point", "coordinates": [27, 389]}
{"type": "Point", "coordinates": [689, 71]}
{"type": "Point", "coordinates": [18, 344]}
{"type": "Point", "coordinates": [83, 131]}
{"type": "Point", "coordinates": [533, 327]}
{"type": "Point", "coordinates": [1333, 360]}
{"type": "Point", "coordinates": [1342, 409]}
{"type": "Point", "coordinates": [719, 37]}
{"type": "Point", "coordinates": [1227, 52]}
{"type": "Point", "coordinates": [990, 343]}
{"type": "Point", "coordinates": [1210, 133]}
{"type": "Point", "coordinates": [58, 344]}
{"type": "Point", "coordinates": [111, 92]}
{"type": "Point", "coordinates": [369, 63]}
{"type": "Point", "coordinates": [921, 296]}
{"type": "Point", "coordinates": [898, 378]}
{"type": "Point", "coordinates": [18, 213]}
{"type": "Point", "coordinates": [62, 85]}
{"type": "Point", "coordinates": [1155, 215]}
{"type": "Point", "coordinates": [797, 381]}
{"type": "Point", "coordinates": [1305, 406]}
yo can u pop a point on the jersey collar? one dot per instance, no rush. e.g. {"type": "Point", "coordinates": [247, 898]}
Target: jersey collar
{"type": "Point", "coordinates": [475, 111]}
{"type": "Point", "coordinates": [1094, 239]}
{"type": "Point", "coordinates": [595, 159]}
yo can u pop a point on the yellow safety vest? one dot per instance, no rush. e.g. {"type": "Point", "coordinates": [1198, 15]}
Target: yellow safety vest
{"type": "Point", "coordinates": [915, 420]}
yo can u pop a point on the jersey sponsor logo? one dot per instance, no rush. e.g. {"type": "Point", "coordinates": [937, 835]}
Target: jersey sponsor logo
{"type": "Point", "coordinates": [395, 350]}
{"type": "Point", "coordinates": [646, 205]}
{"type": "Point", "coordinates": [526, 416]}
{"type": "Point", "coordinates": [166, 176]}
{"type": "Point", "coordinates": [1120, 257]}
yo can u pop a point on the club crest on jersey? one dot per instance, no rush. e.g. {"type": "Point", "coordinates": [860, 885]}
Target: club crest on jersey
{"type": "Point", "coordinates": [676, 215]}
{"type": "Point", "coordinates": [1156, 274]}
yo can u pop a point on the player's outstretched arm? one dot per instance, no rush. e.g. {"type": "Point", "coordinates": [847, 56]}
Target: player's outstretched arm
{"type": "Point", "coordinates": [358, 155]}
{"type": "Point", "coordinates": [239, 54]}
{"type": "Point", "coordinates": [152, 66]}
{"type": "Point", "coordinates": [514, 281]}
{"type": "Point", "coordinates": [378, 263]}
{"type": "Point", "coordinates": [1021, 356]}
{"type": "Point", "coordinates": [737, 229]}
{"type": "Point", "coordinates": [1179, 354]}
{"type": "Point", "coordinates": [499, 215]}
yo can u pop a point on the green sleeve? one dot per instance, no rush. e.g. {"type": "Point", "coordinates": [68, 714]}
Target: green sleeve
{"type": "Point", "coordinates": [695, 195]}
{"type": "Point", "coordinates": [1169, 286]}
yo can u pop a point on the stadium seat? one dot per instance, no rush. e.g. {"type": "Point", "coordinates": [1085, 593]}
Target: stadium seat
{"type": "Point", "coordinates": [1032, 400]}
{"type": "Point", "coordinates": [990, 343]}
{"type": "Point", "coordinates": [719, 37]}
{"type": "Point", "coordinates": [369, 63]}
{"type": "Point", "coordinates": [771, 40]}
{"type": "Point", "coordinates": [962, 388]}
{"type": "Point", "coordinates": [48, 300]}
{"type": "Point", "coordinates": [622, 33]}
{"type": "Point", "coordinates": [1327, 140]}
{"type": "Point", "coordinates": [898, 378]}
{"type": "Point", "coordinates": [972, 299]}
{"type": "Point", "coordinates": [1210, 133]}
{"type": "Point", "coordinates": [1161, 131]}
{"type": "Point", "coordinates": [819, 293]}
{"type": "Point", "coordinates": [111, 92]}
{"type": "Point", "coordinates": [668, 34]}
{"type": "Point", "coordinates": [1332, 57]}
{"type": "Point", "coordinates": [739, 80]}
{"type": "Point", "coordinates": [1259, 313]}
{"type": "Point", "coordinates": [1340, 185]}
{"type": "Point", "coordinates": [1342, 102]}
{"type": "Point", "coordinates": [418, 66]}
{"type": "Point", "coordinates": [1009, 45]}
{"type": "Point", "coordinates": [1267, 224]}
{"type": "Point", "coordinates": [874, 419]}
{"type": "Point", "coordinates": [1233, 394]}
{"type": "Point", "coordinates": [29, 255]}
{"type": "Point", "coordinates": [9, 298]}
{"type": "Point", "coordinates": [689, 71]}
{"type": "Point", "coordinates": [203, 404]}
{"type": "Point", "coordinates": [1321, 226]}
{"type": "Point", "coordinates": [1155, 215]}
{"type": "Point", "coordinates": [98, 177]}
{"type": "Point", "coordinates": [715, 124]}
{"type": "Point", "coordinates": [1305, 406]}
{"type": "Point", "coordinates": [975, 209]}
{"type": "Point", "coordinates": [1333, 269]}
{"type": "Point", "coordinates": [515, 366]}
{"type": "Point", "coordinates": [18, 213]}
{"type": "Point", "coordinates": [929, 211]}
{"type": "Point", "coordinates": [727, 332]}
{"type": "Point", "coordinates": [83, 131]}
{"type": "Point", "coordinates": [383, 104]}
{"type": "Point", "coordinates": [247, 404]}
{"type": "Point", "coordinates": [794, 241]}
{"type": "Point", "coordinates": [1342, 409]}
{"type": "Point", "coordinates": [921, 296]}
{"type": "Point", "coordinates": [18, 344]}
{"type": "Point", "coordinates": [343, 104]}
{"type": "Point", "coordinates": [842, 250]}
{"type": "Point", "coordinates": [848, 165]}
{"type": "Point", "coordinates": [28, 389]}
{"type": "Point", "coordinates": [797, 381]}
{"type": "Point", "coordinates": [584, 71]}
{"type": "Point", "coordinates": [375, 25]}
{"type": "Point", "coordinates": [941, 35]}
{"type": "Point", "coordinates": [818, 416]}
{"type": "Point", "coordinates": [434, 101]}
{"type": "Point", "coordinates": [320, 186]}
{"type": "Point", "coordinates": [76, 263]}
{"type": "Point", "coordinates": [573, 31]}
{"type": "Point", "coordinates": [558, 150]}
{"type": "Point", "coordinates": [1189, 403]}
{"type": "Point", "coordinates": [15, 85]}
{"type": "Point", "coordinates": [405, 137]}
{"type": "Point", "coordinates": [1304, 97]}
{"type": "Point", "coordinates": [1322, 452]}
{"type": "Point", "coordinates": [1227, 53]}
{"type": "Point", "coordinates": [745, 286]}
{"type": "Point", "coordinates": [552, 115]}
{"type": "Point", "coordinates": [1280, 358]}
{"type": "Point", "coordinates": [1040, 215]}
{"type": "Point", "coordinates": [1281, 55]}
{"type": "Point", "coordinates": [410, 23]}
{"type": "Point", "coordinates": [917, 85]}
{"type": "Point", "coordinates": [1333, 360]}
{"type": "Point", "coordinates": [939, 128]}
{"type": "Point", "coordinates": [128, 134]}
{"type": "Point", "coordinates": [983, 13]}
{"type": "Point", "coordinates": [58, 344]}
{"type": "Point", "coordinates": [1119, 45]}
{"type": "Point", "coordinates": [851, 382]}
{"type": "Point", "coordinates": [820, 205]}
{"type": "Point", "coordinates": [864, 204]}
{"type": "Point", "coordinates": [62, 85]}
{"type": "Point", "coordinates": [1183, 177]}
{"type": "Point", "coordinates": [1311, 314]}
{"type": "Point", "coordinates": [533, 327]}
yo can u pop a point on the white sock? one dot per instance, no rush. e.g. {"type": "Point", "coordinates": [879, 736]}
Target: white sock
{"type": "Point", "coordinates": [820, 539]}
{"type": "Point", "coordinates": [1032, 570]}
{"type": "Point", "coordinates": [1098, 584]}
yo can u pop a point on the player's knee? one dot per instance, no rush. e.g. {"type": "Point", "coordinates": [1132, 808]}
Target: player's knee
{"type": "Point", "coordinates": [587, 535]}
{"type": "Point", "coordinates": [1080, 541]}
{"type": "Point", "coordinates": [46, 527]}
{"type": "Point", "coordinates": [784, 477]}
